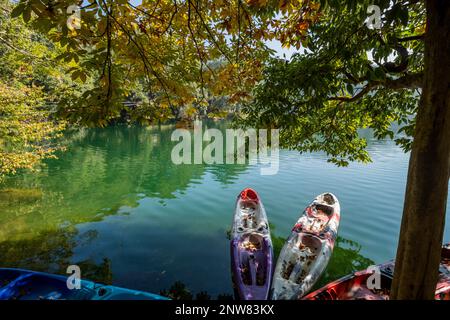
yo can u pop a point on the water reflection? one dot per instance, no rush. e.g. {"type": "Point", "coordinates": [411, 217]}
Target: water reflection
{"type": "Point", "coordinates": [115, 203]}
{"type": "Point", "coordinates": [102, 171]}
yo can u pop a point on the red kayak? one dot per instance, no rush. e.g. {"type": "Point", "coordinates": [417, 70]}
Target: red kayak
{"type": "Point", "coordinates": [360, 285]}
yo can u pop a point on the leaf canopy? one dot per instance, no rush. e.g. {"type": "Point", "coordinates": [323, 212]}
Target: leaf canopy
{"type": "Point", "coordinates": [349, 77]}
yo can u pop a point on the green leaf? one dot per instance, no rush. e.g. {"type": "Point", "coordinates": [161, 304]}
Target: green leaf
{"type": "Point", "coordinates": [27, 14]}
{"type": "Point", "coordinates": [68, 57]}
{"type": "Point", "coordinates": [17, 11]}
{"type": "Point", "coordinates": [379, 74]}
{"type": "Point", "coordinates": [350, 88]}
{"type": "Point", "coordinates": [83, 76]}
{"type": "Point", "coordinates": [61, 56]}
{"type": "Point", "coordinates": [75, 75]}
{"type": "Point", "coordinates": [63, 41]}
{"type": "Point", "coordinates": [403, 15]}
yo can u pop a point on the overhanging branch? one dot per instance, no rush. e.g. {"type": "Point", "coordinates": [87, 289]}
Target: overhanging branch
{"type": "Point", "coordinates": [358, 96]}
{"type": "Point", "coordinates": [410, 81]}
{"type": "Point", "coordinates": [411, 38]}
{"type": "Point", "coordinates": [12, 46]}
{"type": "Point", "coordinates": [404, 60]}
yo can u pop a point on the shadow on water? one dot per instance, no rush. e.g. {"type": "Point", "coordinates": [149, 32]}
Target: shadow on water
{"type": "Point", "coordinates": [51, 251]}
{"type": "Point", "coordinates": [179, 291]}
{"type": "Point", "coordinates": [346, 259]}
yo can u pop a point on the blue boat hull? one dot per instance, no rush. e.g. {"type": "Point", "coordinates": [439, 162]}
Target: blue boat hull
{"type": "Point", "coordinates": [18, 284]}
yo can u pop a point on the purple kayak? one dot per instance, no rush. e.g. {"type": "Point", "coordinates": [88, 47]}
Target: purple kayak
{"type": "Point", "coordinates": [251, 248]}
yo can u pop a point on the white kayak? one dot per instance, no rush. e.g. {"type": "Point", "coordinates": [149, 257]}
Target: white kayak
{"type": "Point", "coordinates": [308, 249]}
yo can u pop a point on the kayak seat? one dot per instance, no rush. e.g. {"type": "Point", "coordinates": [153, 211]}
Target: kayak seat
{"type": "Point", "coordinates": [327, 210]}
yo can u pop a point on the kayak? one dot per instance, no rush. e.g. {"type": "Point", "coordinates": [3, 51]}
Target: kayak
{"type": "Point", "coordinates": [19, 284]}
{"type": "Point", "coordinates": [251, 248]}
{"type": "Point", "coordinates": [308, 249]}
{"type": "Point", "coordinates": [359, 285]}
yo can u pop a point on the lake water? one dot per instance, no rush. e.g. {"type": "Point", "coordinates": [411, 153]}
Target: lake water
{"type": "Point", "coordinates": [116, 205]}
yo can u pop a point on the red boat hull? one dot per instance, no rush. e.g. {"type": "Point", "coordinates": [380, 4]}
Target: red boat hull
{"type": "Point", "coordinates": [359, 285]}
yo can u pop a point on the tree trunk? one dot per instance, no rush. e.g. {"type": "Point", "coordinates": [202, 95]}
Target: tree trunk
{"type": "Point", "coordinates": [419, 248]}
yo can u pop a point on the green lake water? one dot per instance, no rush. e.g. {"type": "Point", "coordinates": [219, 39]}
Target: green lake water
{"type": "Point", "coordinates": [116, 205]}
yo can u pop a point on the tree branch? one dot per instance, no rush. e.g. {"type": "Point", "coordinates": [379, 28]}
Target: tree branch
{"type": "Point", "coordinates": [359, 95]}
{"type": "Point", "coordinates": [352, 78]}
{"type": "Point", "coordinates": [108, 59]}
{"type": "Point", "coordinates": [411, 38]}
{"type": "Point", "coordinates": [404, 60]}
{"type": "Point", "coordinates": [410, 81]}
{"type": "Point", "coordinates": [172, 16]}
{"type": "Point", "coordinates": [212, 38]}
{"type": "Point", "coordinates": [199, 53]}
{"type": "Point", "coordinates": [26, 53]}
{"type": "Point", "coordinates": [146, 63]}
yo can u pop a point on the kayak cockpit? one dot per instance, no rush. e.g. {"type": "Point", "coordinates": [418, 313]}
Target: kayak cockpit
{"type": "Point", "coordinates": [303, 249]}
{"type": "Point", "coordinates": [253, 258]}
{"type": "Point", "coordinates": [318, 215]}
